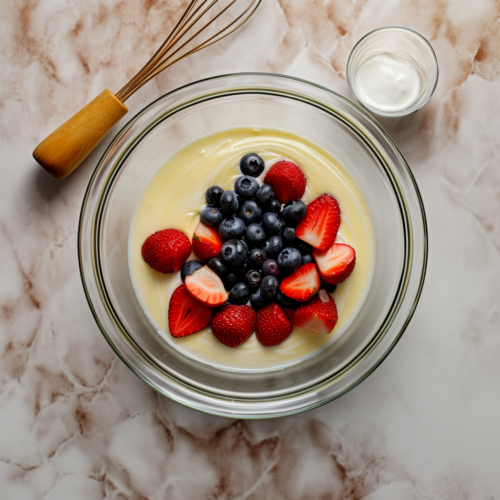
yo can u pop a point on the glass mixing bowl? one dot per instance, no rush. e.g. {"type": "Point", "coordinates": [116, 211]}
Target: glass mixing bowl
{"type": "Point", "coordinates": [332, 122]}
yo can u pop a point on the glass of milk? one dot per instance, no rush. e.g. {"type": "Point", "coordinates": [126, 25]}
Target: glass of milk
{"type": "Point", "coordinates": [392, 71]}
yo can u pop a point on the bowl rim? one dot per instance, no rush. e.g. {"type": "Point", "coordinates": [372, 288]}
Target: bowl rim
{"type": "Point", "coordinates": [220, 92]}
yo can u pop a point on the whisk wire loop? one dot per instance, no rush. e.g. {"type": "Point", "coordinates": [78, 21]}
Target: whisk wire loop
{"type": "Point", "coordinates": [165, 55]}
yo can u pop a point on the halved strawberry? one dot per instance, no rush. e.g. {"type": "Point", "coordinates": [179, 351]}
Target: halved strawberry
{"type": "Point", "coordinates": [318, 316]}
{"type": "Point", "coordinates": [272, 325]}
{"type": "Point", "coordinates": [206, 242]}
{"type": "Point", "coordinates": [302, 284]}
{"type": "Point", "coordinates": [186, 315]}
{"type": "Point", "coordinates": [166, 250]}
{"type": "Point", "coordinates": [336, 263]}
{"type": "Point", "coordinates": [288, 181]}
{"type": "Point", "coordinates": [320, 225]}
{"type": "Point", "coordinates": [206, 287]}
{"type": "Point", "coordinates": [232, 325]}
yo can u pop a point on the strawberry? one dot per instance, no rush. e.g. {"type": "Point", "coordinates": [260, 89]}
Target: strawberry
{"type": "Point", "coordinates": [287, 180]}
{"type": "Point", "coordinates": [206, 287]}
{"type": "Point", "coordinates": [232, 325]}
{"type": "Point", "coordinates": [206, 242]}
{"type": "Point", "coordinates": [302, 284]}
{"type": "Point", "coordinates": [336, 263]}
{"type": "Point", "coordinates": [320, 224]}
{"type": "Point", "coordinates": [166, 250]}
{"type": "Point", "coordinates": [289, 312]}
{"type": "Point", "coordinates": [186, 315]}
{"type": "Point", "coordinates": [318, 316]}
{"type": "Point", "coordinates": [272, 326]}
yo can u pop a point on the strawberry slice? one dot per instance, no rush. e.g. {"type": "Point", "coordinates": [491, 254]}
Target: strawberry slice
{"type": "Point", "coordinates": [186, 315]}
{"type": "Point", "coordinates": [288, 181]}
{"type": "Point", "coordinates": [318, 316]}
{"type": "Point", "coordinates": [302, 284]}
{"type": "Point", "coordinates": [206, 287]}
{"type": "Point", "coordinates": [206, 242]}
{"type": "Point", "coordinates": [320, 224]}
{"type": "Point", "coordinates": [336, 263]}
{"type": "Point", "coordinates": [272, 325]}
{"type": "Point", "coordinates": [233, 324]}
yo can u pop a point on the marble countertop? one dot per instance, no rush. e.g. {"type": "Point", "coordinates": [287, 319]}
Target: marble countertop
{"type": "Point", "coordinates": [75, 423]}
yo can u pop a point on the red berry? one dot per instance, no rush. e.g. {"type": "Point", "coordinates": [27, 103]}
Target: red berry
{"type": "Point", "coordinates": [232, 325]}
{"type": "Point", "coordinates": [186, 315]}
{"type": "Point", "coordinates": [288, 181]}
{"type": "Point", "coordinates": [318, 316]}
{"type": "Point", "coordinates": [166, 250]}
{"type": "Point", "coordinates": [302, 284]}
{"type": "Point", "coordinates": [320, 224]}
{"type": "Point", "coordinates": [336, 263]}
{"type": "Point", "coordinates": [206, 242]}
{"type": "Point", "coordinates": [206, 287]}
{"type": "Point", "coordinates": [272, 326]}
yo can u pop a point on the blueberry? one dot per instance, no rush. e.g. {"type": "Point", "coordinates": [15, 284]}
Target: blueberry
{"type": "Point", "coordinates": [256, 258]}
{"type": "Point", "coordinates": [264, 195]}
{"type": "Point", "coordinates": [283, 301]}
{"type": "Point", "coordinates": [211, 216]}
{"type": "Point", "coordinates": [255, 235]}
{"type": "Point", "coordinates": [245, 265]}
{"type": "Point", "coordinates": [329, 288]}
{"type": "Point", "coordinates": [189, 268]}
{"type": "Point", "coordinates": [252, 164]}
{"type": "Point", "coordinates": [289, 259]}
{"type": "Point", "coordinates": [257, 301]}
{"type": "Point", "coordinates": [229, 202]}
{"type": "Point", "coordinates": [269, 287]}
{"type": "Point", "coordinates": [288, 235]}
{"type": "Point", "coordinates": [294, 211]}
{"type": "Point", "coordinates": [273, 246]}
{"type": "Point", "coordinates": [275, 206]}
{"type": "Point", "coordinates": [253, 279]}
{"type": "Point", "coordinates": [271, 222]}
{"type": "Point", "coordinates": [270, 268]}
{"type": "Point", "coordinates": [218, 267]}
{"type": "Point", "coordinates": [246, 186]}
{"type": "Point", "coordinates": [239, 294]}
{"type": "Point", "coordinates": [245, 244]}
{"type": "Point", "coordinates": [303, 247]}
{"type": "Point", "coordinates": [307, 259]}
{"type": "Point", "coordinates": [231, 279]}
{"type": "Point", "coordinates": [232, 228]}
{"type": "Point", "coordinates": [233, 253]}
{"type": "Point", "coordinates": [250, 212]}
{"type": "Point", "coordinates": [213, 195]}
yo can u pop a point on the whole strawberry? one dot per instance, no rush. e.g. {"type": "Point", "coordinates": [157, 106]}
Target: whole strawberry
{"type": "Point", "coordinates": [232, 325]}
{"type": "Point", "coordinates": [288, 181]}
{"type": "Point", "coordinates": [272, 326]}
{"type": "Point", "coordinates": [167, 250]}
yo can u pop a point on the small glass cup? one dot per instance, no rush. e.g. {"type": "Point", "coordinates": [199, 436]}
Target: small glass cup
{"type": "Point", "coordinates": [403, 42]}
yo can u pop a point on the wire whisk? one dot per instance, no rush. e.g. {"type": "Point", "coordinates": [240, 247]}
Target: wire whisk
{"type": "Point", "coordinates": [63, 150]}
{"type": "Point", "coordinates": [168, 54]}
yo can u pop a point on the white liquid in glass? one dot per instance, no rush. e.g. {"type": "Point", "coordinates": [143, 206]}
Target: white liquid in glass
{"type": "Point", "coordinates": [387, 82]}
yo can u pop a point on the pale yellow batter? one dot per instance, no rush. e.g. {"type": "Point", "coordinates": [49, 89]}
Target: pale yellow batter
{"type": "Point", "coordinates": [174, 199]}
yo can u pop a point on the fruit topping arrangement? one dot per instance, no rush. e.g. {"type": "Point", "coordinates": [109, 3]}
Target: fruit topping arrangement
{"type": "Point", "coordinates": [267, 261]}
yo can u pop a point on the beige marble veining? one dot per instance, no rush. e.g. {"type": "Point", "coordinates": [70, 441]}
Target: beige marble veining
{"type": "Point", "coordinates": [75, 423]}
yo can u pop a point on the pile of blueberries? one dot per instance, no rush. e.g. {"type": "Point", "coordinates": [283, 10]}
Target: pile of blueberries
{"type": "Point", "coordinates": [260, 247]}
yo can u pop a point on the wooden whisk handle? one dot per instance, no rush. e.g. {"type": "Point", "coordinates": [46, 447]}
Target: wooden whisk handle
{"type": "Point", "coordinates": [63, 150]}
